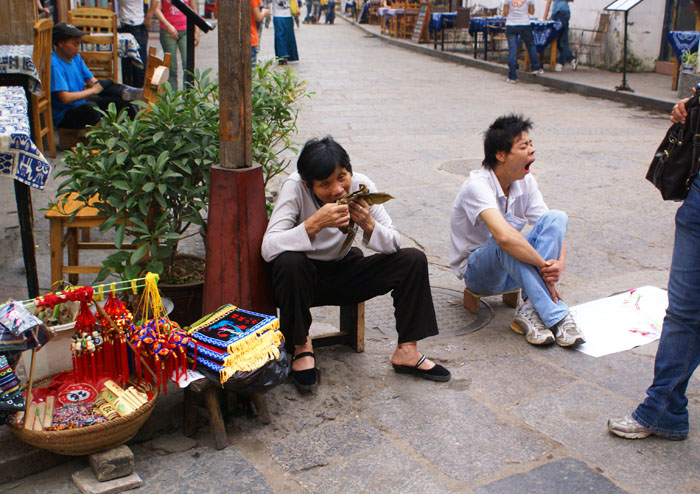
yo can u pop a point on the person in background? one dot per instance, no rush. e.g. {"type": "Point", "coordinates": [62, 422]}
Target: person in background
{"type": "Point", "coordinates": [308, 19]}
{"type": "Point", "coordinates": [75, 93]}
{"type": "Point", "coordinates": [517, 14]}
{"type": "Point", "coordinates": [173, 34]}
{"type": "Point", "coordinates": [561, 13]}
{"type": "Point", "coordinates": [330, 13]}
{"type": "Point", "coordinates": [132, 19]}
{"type": "Point", "coordinates": [258, 13]}
{"type": "Point", "coordinates": [285, 42]}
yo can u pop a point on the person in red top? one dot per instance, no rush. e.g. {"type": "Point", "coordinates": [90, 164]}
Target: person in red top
{"type": "Point", "coordinates": [173, 34]}
{"type": "Point", "coordinates": [258, 13]}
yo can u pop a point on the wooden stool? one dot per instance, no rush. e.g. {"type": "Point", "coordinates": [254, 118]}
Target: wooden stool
{"type": "Point", "coordinates": [471, 299]}
{"type": "Point", "coordinates": [352, 329]}
{"type": "Point", "coordinates": [59, 218]}
{"type": "Point", "coordinates": [211, 394]}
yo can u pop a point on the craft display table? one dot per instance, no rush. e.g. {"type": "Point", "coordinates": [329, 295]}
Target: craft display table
{"type": "Point", "coordinates": [681, 41]}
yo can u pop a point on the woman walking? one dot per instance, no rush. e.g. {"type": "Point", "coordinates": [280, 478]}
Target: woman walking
{"type": "Point", "coordinates": [173, 35]}
{"type": "Point", "coordinates": [285, 42]}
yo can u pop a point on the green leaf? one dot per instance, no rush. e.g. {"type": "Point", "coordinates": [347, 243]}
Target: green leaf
{"type": "Point", "coordinates": [139, 253]}
{"type": "Point", "coordinates": [131, 272]}
{"type": "Point", "coordinates": [119, 235]}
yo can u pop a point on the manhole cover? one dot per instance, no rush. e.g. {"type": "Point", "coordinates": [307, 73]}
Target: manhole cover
{"type": "Point", "coordinates": [453, 319]}
{"type": "Point", "coordinates": [461, 166]}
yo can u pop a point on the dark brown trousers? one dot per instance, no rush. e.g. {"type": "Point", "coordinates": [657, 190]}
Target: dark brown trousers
{"type": "Point", "coordinates": [300, 283]}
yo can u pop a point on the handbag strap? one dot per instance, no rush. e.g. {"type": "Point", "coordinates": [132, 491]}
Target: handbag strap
{"type": "Point", "coordinates": [695, 164]}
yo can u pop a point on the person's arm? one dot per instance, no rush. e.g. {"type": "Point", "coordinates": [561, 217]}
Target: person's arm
{"type": "Point", "coordinates": [151, 11]}
{"type": "Point", "coordinates": [40, 8]}
{"type": "Point", "coordinates": [169, 28]}
{"type": "Point", "coordinates": [679, 111]}
{"type": "Point", "coordinates": [194, 6]}
{"type": "Point", "coordinates": [66, 97]}
{"type": "Point", "coordinates": [509, 239]}
{"type": "Point", "coordinates": [505, 10]}
{"type": "Point", "coordinates": [531, 9]}
{"type": "Point", "coordinates": [546, 10]}
{"type": "Point", "coordinates": [260, 13]}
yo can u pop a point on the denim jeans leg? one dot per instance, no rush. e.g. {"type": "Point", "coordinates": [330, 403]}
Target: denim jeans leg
{"type": "Point", "coordinates": [529, 41]}
{"type": "Point", "coordinates": [170, 46]}
{"type": "Point", "coordinates": [665, 408]}
{"type": "Point", "coordinates": [491, 270]}
{"type": "Point", "coordinates": [512, 37]}
{"type": "Point", "coordinates": [182, 46]}
{"type": "Point", "coordinates": [564, 54]}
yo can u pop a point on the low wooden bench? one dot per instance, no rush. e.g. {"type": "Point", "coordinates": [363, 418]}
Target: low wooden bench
{"type": "Point", "coordinates": [471, 299]}
{"type": "Point", "coordinates": [352, 329]}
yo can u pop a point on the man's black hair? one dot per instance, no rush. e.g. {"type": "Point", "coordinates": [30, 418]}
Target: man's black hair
{"type": "Point", "coordinates": [318, 159]}
{"type": "Point", "coordinates": [501, 135]}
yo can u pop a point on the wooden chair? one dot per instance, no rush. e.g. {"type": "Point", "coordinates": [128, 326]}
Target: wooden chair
{"type": "Point", "coordinates": [471, 299]}
{"type": "Point", "coordinates": [99, 48]}
{"type": "Point", "coordinates": [586, 41]}
{"type": "Point", "coordinates": [156, 73]}
{"type": "Point", "coordinates": [461, 27]}
{"type": "Point", "coordinates": [41, 105]}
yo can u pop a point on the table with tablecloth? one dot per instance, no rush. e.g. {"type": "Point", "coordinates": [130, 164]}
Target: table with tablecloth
{"type": "Point", "coordinates": [19, 157]}
{"type": "Point", "coordinates": [16, 60]}
{"type": "Point", "coordinates": [544, 33]}
{"type": "Point", "coordinates": [438, 23]}
{"type": "Point", "coordinates": [681, 41]}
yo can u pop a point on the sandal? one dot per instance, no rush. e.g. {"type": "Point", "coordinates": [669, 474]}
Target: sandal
{"type": "Point", "coordinates": [307, 379]}
{"type": "Point", "coordinates": [435, 373]}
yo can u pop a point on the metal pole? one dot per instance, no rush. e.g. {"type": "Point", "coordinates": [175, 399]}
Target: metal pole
{"type": "Point", "coordinates": [189, 69]}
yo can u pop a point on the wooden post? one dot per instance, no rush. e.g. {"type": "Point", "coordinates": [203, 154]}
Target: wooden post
{"type": "Point", "coordinates": [235, 270]}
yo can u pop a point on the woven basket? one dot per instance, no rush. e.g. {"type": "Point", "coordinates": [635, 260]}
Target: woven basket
{"type": "Point", "coordinates": [90, 439]}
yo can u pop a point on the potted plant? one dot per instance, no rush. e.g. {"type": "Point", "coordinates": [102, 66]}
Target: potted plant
{"type": "Point", "coordinates": [689, 60]}
{"type": "Point", "coordinates": [151, 174]}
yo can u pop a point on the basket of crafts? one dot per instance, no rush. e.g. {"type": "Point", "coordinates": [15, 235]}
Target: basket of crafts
{"type": "Point", "coordinates": [101, 402]}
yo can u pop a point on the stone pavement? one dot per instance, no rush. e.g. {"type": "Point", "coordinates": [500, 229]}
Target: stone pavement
{"type": "Point", "coordinates": [515, 418]}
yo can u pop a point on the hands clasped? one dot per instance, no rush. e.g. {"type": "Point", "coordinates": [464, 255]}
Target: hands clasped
{"type": "Point", "coordinates": [551, 272]}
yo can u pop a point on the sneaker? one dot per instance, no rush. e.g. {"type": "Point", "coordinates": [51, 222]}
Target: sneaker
{"type": "Point", "coordinates": [537, 72]}
{"type": "Point", "coordinates": [528, 322]}
{"type": "Point", "coordinates": [511, 81]}
{"type": "Point", "coordinates": [558, 67]}
{"type": "Point", "coordinates": [629, 428]}
{"type": "Point", "coordinates": [574, 63]}
{"type": "Point", "coordinates": [566, 333]}
{"type": "Point", "coordinates": [132, 94]}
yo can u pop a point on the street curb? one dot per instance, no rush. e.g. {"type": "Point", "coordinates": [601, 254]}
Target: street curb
{"type": "Point", "coordinates": [644, 102]}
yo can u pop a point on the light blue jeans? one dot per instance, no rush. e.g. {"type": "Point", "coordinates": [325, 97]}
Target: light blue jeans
{"type": "Point", "coordinates": [491, 270]}
{"type": "Point", "coordinates": [171, 46]}
{"type": "Point", "coordinates": [665, 408]}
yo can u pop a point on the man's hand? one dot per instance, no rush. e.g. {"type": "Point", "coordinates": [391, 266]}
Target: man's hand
{"type": "Point", "coordinates": [679, 112]}
{"type": "Point", "coordinates": [359, 213]}
{"type": "Point", "coordinates": [552, 270]}
{"type": "Point", "coordinates": [553, 292]}
{"type": "Point", "coordinates": [331, 215]}
{"type": "Point", "coordinates": [196, 37]}
{"type": "Point", "coordinates": [95, 89]}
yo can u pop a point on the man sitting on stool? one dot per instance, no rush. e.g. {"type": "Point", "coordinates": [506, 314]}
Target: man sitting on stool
{"type": "Point", "coordinates": [303, 244]}
{"type": "Point", "coordinates": [487, 248]}
{"type": "Point", "coordinates": [74, 90]}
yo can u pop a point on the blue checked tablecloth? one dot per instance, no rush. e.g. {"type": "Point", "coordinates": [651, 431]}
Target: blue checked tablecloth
{"type": "Point", "coordinates": [17, 59]}
{"type": "Point", "coordinates": [127, 47]}
{"type": "Point", "coordinates": [543, 32]}
{"type": "Point", "coordinates": [478, 24]}
{"type": "Point", "coordinates": [19, 157]}
{"type": "Point", "coordinates": [683, 40]}
{"type": "Point", "coordinates": [441, 20]}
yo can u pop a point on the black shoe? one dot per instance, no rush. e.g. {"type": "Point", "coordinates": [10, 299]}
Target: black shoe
{"type": "Point", "coordinates": [435, 373]}
{"type": "Point", "coordinates": [307, 379]}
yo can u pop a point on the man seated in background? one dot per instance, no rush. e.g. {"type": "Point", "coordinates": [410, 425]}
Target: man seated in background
{"type": "Point", "coordinates": [75, 93]}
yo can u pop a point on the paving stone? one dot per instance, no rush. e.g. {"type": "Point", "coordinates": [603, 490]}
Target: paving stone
{"type": "Point", "coordinates": [567, 476]}
{"type": "Point", "coordinates": [464, 439]}
{"type": "Point", "coordinates": [112, 464]}
{"type": "Point", "coordinates": [173, 443]}
{"type": "Point", "coordinates": [18, 460]}
{"type": "Point", "coordinates": [576, 418]}
{"type": "Point", "coordinates": [385, 469]}
{"type": "Point", "coordinates": [334, 440]}
{"type": "Point", "coordinates": [203, 470]}
{"type": "Point", "coordinates": [86, 481]}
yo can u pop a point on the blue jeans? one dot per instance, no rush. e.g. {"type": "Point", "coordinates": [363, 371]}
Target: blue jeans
{"type": "Point", "coordinates": [330, 13]}
{"type": "Point", "coordinates": [564, 53]}
{"type": "Point", "coordinates": [491, 270]}
{"type": "Point", "coordinates": [525, 32]}
{"type": "Point", "coordinates": [665, 408]}
{"type": "Point", "coordinates": [254, 55]}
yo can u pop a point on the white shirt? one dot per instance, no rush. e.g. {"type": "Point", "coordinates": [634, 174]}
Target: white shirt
{"type": "Point", "coordinates": [295, 204]}
{"type": "Point", "coordinates": [518, 14]}
{"type": "Point", "coordinates": [482, 191]}
{"type": "Point", "coordinates": [131, 12]}
{"type": "Point", "coordinates": [280, 8]}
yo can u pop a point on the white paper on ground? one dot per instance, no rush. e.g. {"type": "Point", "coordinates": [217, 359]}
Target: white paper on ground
{"type": "Point", "coordinates": [624, 321]}
{"type": "Point", "coordinates": [186, 379]}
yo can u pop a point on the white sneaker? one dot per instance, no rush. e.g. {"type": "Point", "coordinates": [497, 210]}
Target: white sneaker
{"type": "Point", "coordinates": [558, 67]}
{"type": "Point", "coordinates": [528, 322]}
{"type": "Point", "coordinates": [574, 63]}
{"type": "Point", "coordinates": [537, 72]}
{"type": "Point", "coordinates": [566, 333]}
{"type": "Point", "coordinates": [511, 81]}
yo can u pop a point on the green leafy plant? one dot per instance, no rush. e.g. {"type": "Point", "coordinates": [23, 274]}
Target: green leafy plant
{"type": "Point", "coordinates": [689, 58]}
{"type": "Point", "coordinates": [151, 174]}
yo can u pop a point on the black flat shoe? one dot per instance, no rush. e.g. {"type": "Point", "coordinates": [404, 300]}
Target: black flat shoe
{"type": "Point", "coordinates": [307, 379]}
{"type": "Point", "coordinates": [436, 373]}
